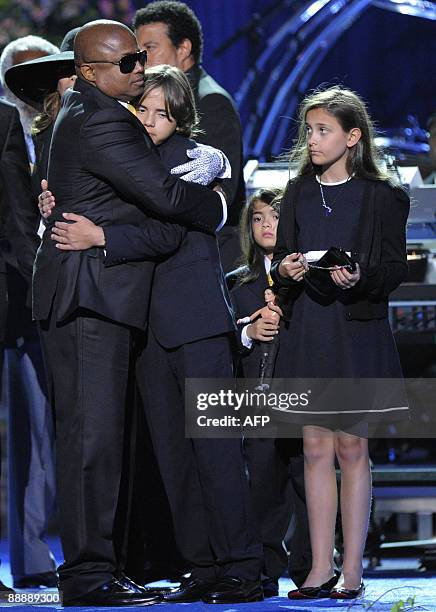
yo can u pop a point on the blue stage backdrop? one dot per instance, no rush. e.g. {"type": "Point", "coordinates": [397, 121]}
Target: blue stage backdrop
{"type": "Point", "coordinates": [387, 57]}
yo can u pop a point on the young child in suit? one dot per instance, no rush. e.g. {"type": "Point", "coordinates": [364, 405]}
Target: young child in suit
{"type": "Point", "coordinates": [274, 466]}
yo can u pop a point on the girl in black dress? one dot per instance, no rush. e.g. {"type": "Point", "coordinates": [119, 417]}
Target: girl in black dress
{"type": "Point", "coordinates": [339, 198]}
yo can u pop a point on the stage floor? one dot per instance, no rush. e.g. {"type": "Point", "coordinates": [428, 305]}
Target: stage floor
{"type": "Point", "coordinates": [397, 579]}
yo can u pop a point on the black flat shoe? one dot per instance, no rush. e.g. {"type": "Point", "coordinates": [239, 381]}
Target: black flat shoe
{"type": "Point", "coordinates": [341, 593]}
{"type": "Point", "coordinates": [317, 592]}
{"type": "Point", "coordinates": [5, 589]}
{"type": "Point", "coordinates": [230, 590]}
{"type": "Point", "coordinates": [189, 591]}
{"type": "Point", "coordinates": [114, 593]}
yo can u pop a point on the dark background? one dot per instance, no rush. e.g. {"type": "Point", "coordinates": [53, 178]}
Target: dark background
{"type": "Point", "coordinates": [389, 58]}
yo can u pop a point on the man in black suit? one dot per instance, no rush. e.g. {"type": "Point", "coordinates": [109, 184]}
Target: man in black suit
{"type": "Point", "coordinates": [189, 336]}
{"type": "Point", "coordinates": [171, 34]}
{"type": "Point", "coordinates": [103, 164]}
{"type": "Point", "coordinates": [17, 212]}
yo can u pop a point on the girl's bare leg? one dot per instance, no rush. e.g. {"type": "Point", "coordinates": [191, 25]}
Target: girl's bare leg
{"type": "Point", "coordinates": [352, 454]}
{"type": "Point", "coordinates": [321, 498]}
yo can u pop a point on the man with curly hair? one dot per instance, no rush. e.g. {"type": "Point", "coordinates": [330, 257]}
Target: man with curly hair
{"type": "Point", "coordinates": [171, 33]}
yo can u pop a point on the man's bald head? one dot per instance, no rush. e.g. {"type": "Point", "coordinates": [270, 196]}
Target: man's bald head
{"type": "Point", "coordinates": [98, 48]}
{"type": "Point", "coordinates": [98, 38]}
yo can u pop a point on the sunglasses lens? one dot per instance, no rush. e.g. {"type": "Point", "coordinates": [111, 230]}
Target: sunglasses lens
{"type": "Point", "coordinates": [128, 62]}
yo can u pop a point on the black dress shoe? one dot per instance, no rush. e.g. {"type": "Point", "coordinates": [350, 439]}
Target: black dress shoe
{"type": "Point", "coordinates": [130, 584]}
{"type": "Point", "coordinates": [192, 589]}
{"type": "Point", "coordinates": [5, 589]}
{"type": "Point", "coordinates": [270, 587]}
{"type": "Point", "coordinates": [230, 590]}
{"type": "Point", "coordinates": [35, 581]}
{"type": "Point", "coordinates": [342, 593]}
{"type": "Point", "coordinates": [149, 591]}
{"type": "Point", "coordinates": [316, 592]}
{"type": "Point", "coordinates": [113, 593]}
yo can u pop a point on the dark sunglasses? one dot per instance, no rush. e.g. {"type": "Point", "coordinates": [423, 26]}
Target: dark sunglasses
{"type": "Point", "coordinates": [127, 63]}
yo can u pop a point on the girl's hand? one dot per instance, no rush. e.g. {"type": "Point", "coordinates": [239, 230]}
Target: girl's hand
{"type": "Point", "coordinates": [266, 325]}
{"type": "Point", "coordinates": [293, 266]}
{"type": "Point", "coordinates": [263, 329]}
{"type": "Point", "coordinates": [345, 279]}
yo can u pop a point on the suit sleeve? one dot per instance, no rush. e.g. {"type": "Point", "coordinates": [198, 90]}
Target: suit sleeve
{"type": "Point", "coordinates": [20, 211]}
{"type": "Point", "coordinates": [113, 152]}
{"type": "Point", "coordinates": [378, 282]}
{"type": "Point", "coordinates": [241, 348]}
{"type": "Point", "coordinates": [222, 129]}
{"type": "Point", "coordinates": [282, 247]}
{"type": "Point", "coordinates": [152, 239]}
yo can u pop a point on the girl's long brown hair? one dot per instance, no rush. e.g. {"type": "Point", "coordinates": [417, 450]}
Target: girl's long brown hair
{"type": "Point", "coordinates": [50, 110]}
{"type": "Point", "coordinates": [364, 159]}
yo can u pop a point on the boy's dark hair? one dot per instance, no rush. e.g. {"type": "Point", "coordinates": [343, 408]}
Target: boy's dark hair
{"type": "Point", "coordinates": [181, 22]}
{"type": "Point", "coordinates": [252, 258]}
{"type": "Point", "coordinates": [179, 98]}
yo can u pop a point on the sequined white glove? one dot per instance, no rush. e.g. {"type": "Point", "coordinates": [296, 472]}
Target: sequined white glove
{"type": "Point", "coordinates": [207, 164]}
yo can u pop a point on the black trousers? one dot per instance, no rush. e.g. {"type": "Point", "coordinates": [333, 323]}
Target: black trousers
{"type": "Point", "coordinates": [3, 315]}
{"type": "Point", "coordinates": [89, 366]}
{"type": "Point", "coordinates": [271, 495]}
{"type": "Point", "coordinates": [204, 479]}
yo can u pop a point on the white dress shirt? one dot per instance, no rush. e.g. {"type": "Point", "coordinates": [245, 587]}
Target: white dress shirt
{"type": "Point", "coordinates": [246, 341]}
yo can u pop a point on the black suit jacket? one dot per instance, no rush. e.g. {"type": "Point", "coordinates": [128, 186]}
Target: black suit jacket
{"type": "Point", "coordinates": [246, 299]}
{"type": "Point", "coordinates": [41, 142]}
{"type": "Point", "coordinates": [19, 215]}
{"type": "Point", "coordinates": [189, 298]}
{"type": "Point", "coordinates": [221, 125]}
{"type": "Point", "coordinates": [381, 250]}
{"type": "Point", "coordinates": [19, 219]}
{"type": "Point", "coordinates": [104, 165]}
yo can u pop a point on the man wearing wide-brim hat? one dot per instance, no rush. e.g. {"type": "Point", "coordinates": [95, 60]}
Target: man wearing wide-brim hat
{"type": "Point", "coordinates": [32, 81]}
{"type": "Point", "coordinates": [41, 83]}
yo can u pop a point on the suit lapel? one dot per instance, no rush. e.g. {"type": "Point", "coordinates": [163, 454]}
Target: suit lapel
{"type": "Point", "coordinates": [258, 286]}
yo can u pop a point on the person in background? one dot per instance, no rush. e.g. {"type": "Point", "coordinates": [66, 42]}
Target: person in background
{"type": "Point", "coordinates": [17, 245]}
{"type": "Point", "coordinates": [31, 489]}
{"type": "Point", "coordinates": [428, 165]}
{"type": "Point", "coordinates": [171, 33]}
{"type": "Point", "coordinates": [40, 84]}
{"type": "Point", "coordinates": [17, 52]}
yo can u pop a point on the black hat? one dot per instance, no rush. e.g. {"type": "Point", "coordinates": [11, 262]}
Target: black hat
{"type": "Point", "coordinates": [32, 81]}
